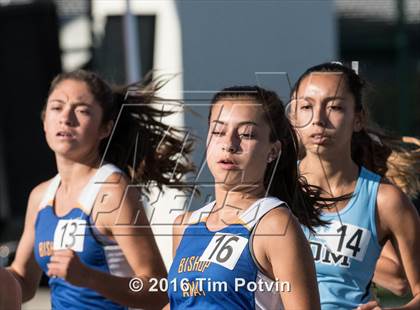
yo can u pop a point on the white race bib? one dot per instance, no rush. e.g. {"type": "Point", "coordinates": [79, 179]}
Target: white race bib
{"type": "Point", "coordinates": [224, 249]}
{"type": "Point", "coordinates": [345, 239]}
{"type": "Point", "coordinates": [70, 234]}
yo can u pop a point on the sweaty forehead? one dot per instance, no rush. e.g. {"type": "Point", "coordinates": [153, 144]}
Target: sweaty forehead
{"type": "Point", "coordinates": [237, 110]}
{"type": "Point", "coordinates": [72, 90]}
{"type": "Point", "coordinates": [323, 84]}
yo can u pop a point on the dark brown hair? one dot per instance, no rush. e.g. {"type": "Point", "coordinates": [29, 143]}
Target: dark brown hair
{"type": "Point", "coordinates": [392, 157]}
{"type": "Point", "coordinates": [281, 178]}
{"type": "Point", "coordinates": [140, 144]}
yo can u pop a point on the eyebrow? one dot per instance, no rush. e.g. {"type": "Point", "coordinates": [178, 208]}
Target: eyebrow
{"type": "Point", "coordinates": [325, 99]}
{"type": "Point", "coordinates": [77, 103]}
{"type": "Point", "coordinates": [240, 123]}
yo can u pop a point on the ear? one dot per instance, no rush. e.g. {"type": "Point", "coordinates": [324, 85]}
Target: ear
{"type": "Point", "coordinates": [275, 151]}
{"type": "Point", "coordinates": [358, 122]}
{"type": "Point", "coordinates": [43, 118]}
{"type": "Point", "coordinates": [106, 130]}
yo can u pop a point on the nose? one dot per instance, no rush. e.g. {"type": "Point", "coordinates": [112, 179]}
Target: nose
{"type": "Point", "coordinates": [229, 148]}
{"type": "Point", "coordinates": [67, 116]}
{"type": "Point", "coordinates": [319, 116]}
{"type": "Point", "coordinates": [230, 143]}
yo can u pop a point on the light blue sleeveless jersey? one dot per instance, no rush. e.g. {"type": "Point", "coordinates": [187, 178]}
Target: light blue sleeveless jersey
{"type": "Point", "coordinates": [346, 251]}
{"type": "Point", "coordinates": [75, 230]}
{"type": "Point", "coordinates": [211, 269]}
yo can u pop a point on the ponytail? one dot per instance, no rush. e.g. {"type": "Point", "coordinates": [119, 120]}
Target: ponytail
{"type": "Point", "coordinates": [394, 158]}
{"type": "Point", "coordinates": [141, 144]}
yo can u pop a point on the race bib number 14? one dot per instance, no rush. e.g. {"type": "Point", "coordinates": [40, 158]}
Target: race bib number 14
{"type": "Point", "coordinates": [70, 234]}
{"type": "Point", "coordinates": [346, 239]}
{"type": "Point", "coordinates": [224, 249]}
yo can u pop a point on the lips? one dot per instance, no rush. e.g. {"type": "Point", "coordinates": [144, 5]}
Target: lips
{"type": "Point", "coordinates": [64, 134]}
{"type": "Point", "coordinates": [319, 138]}
{"type": "Point", "coordinates": [227, 164]}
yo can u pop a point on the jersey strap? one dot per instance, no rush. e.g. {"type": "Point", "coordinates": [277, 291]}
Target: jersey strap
{"type": "Point", "coordinates": [258, 209]}
{"type": "Point", "coordinates": [248, 219]}
{"type": "Point", "coordinates": [91, 190]}
{"type": "Point", "coordinates": [201, 214]}
{"type": "Point", "coordinates": [49, 194]}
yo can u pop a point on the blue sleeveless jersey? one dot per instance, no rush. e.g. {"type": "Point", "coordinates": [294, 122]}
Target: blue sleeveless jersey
{"type": "Point", "coordinates": [211, 269]}
{"type": "Point", "coordinates": [76, 231]}
{"type": "Point", "coordinates": [346, 250]}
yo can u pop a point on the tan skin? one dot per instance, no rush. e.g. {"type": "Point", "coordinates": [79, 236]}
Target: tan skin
{"type": "Point", "coordinates": [238, 131]}
{"type": "Point", "coordinates": [389, 273]}
{"type": "Point", "coordinates": [334, 116]}
{"type": "Point", "coordinates": [72, 108]}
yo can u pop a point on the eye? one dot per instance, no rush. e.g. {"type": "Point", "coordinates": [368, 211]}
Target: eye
{"type": "Point", "coordinates": [217, 130]}
{"type": "Point", "coordinates": [335, 108]}
{"type": "Point", "coordinates": [55, 108]}
{"type": "Point", "coordinates": [306, 107]}
{"type": "Point", "coordinates": [84, 111]}
{"type": "Point", "coordinates": [246, 136]}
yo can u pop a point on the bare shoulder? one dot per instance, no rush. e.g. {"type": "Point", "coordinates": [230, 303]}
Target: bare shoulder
{"type": "Point", "coordinates": [394, 208]}
{"type": "Point", "coordinates": [181, 222]}
{"type": "Point", "coordinates": [117, 183]}
{"type": "Point", "coordinates": [279, 238]}
{"type": "Point", "coordinates": [391, 198]}
{"type": "Point", "coordinates": [118, 201]}
{"type": "Point", "coordinates": [178, 229]}
{"type": "Point", "coordinates": [38, 193]}
{"type": "Point", "coordinates": [116, 191]}
{"type": "Point", "coordinates": [34, 201]}
{"type": "Point", "coordinates": [277, 221]}
{"type": "Point", "coordinates": [183, 218]}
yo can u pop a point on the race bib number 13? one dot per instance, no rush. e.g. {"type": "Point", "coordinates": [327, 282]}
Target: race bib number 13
{"type": "Point", "coordinates": [224, 249]}
{"type": "Point", "coordinates": [70, 234]}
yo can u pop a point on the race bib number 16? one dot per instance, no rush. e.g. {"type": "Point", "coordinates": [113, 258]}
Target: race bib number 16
{"type": "Point", "coordinates": [224, 249]}
{"type": "Point", "coordinates": [70, 234]}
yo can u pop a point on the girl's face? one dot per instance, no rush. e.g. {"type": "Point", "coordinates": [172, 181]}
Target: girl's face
{"type": "Point", "coordinates": [238, 143]}
{"type": "Point", "coordinates": [323, 112]}
{"type": "Point", "coordinates": [72, 120]}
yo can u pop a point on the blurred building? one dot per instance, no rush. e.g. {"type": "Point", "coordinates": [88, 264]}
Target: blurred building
{"type": "Point", "coordinates": [384, 35]}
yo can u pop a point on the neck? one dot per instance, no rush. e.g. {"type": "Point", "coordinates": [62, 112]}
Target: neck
{"type": "Point", "coordinates": [73, 172]}
{"type": "Point", "coordinates": [237, 199]}
{"type": "Point", "coordinates": [331, 174]}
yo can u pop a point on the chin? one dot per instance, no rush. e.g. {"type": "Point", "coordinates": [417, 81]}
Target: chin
{"type": "Point", "coordinates": [229, 181]}
{"type": "Point", "coordinates": [68, 153]}
{"type": "Point", "coordinates": [325, 151]}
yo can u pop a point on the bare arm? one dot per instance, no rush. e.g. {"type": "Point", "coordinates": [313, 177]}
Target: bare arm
{"type": "Point", "coordinates": [125, 221]}
{"type": "Point", "coordinates": [178, 229]}
{"type": "Point", "coordinates": [394, 208]}
{"type": "Point", "coordinates": [24, 267]}
{"type": "Point", "coordinates": [389, 273]}
{"type": "Point", "coordinates": [283, 251]}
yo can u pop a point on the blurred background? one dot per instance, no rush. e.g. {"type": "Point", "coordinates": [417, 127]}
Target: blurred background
{"type": "Point", "coordinates": [208, 45]}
